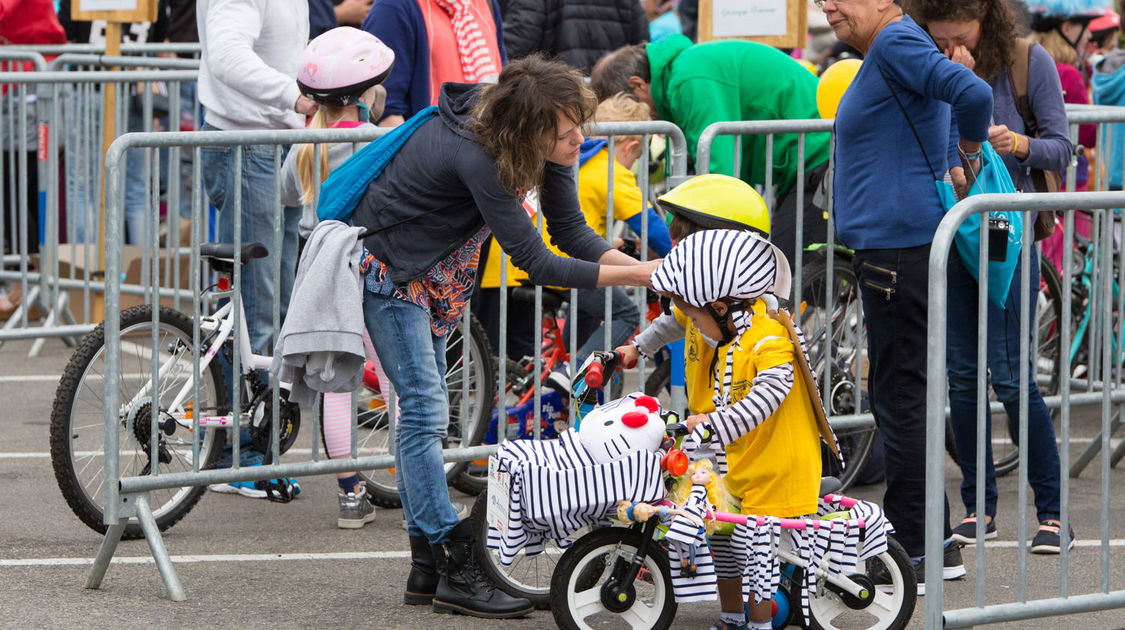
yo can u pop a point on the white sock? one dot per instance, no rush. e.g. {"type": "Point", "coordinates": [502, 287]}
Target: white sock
{"type": "Point", "coordinates": [735, 618]}
{"type": "Point", "coordinates": [759, 625]}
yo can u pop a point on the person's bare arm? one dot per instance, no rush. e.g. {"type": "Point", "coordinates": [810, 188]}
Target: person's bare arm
{"type": "Point", "coordinates": [351, 12]}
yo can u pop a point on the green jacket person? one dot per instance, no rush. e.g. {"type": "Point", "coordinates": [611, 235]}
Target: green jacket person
{"type": "Point", "coordinates": [694, 85]}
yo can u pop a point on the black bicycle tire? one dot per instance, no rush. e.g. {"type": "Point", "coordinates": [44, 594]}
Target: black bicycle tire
{"type": "Point", "coordinates": [1010, 461]}
{"type": "Point", "coordinates": [387, 496]}
{"type": "Point", "coordinates": [496, 574]}
{"type": "Point", "coordinates": [815, 271]}
{"type": "Point", "coordinates": [599, 538]}
{"type": "Point", "coordinates": [902, 562]}
{"type": "Point", "coordinates": [86, 352]}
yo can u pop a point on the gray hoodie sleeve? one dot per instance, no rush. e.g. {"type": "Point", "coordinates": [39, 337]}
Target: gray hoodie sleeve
{"type": "Point", "coordinates": [504, 214]}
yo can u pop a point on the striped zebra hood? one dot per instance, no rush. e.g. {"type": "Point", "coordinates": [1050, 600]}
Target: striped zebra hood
{"type": "Point", "coordinates": [711, 265]}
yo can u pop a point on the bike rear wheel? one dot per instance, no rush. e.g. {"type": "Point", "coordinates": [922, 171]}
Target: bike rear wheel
{"type": "Point", "coordinates": [471, 391]}
{"type": "Point", "coordinates": [78, 417]}
{"type": "Point", "coordinates": [528, 576]}
{"type": "Point", "coordinates": [896, 594]}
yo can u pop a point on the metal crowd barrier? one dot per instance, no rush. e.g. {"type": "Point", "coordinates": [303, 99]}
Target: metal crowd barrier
{"type": "Point", "coordinates": [851, 338]}
{"type": "Point", "coordinates": [127, 497]}
{"type": "Point", "coordinates": [1108, 392]}
{"type": "Point", "coordinates": [59, 130]}
{"type": "Point", "coordinates": [127, 48]}
{"type": "Point", "coordinates": [677, 166]}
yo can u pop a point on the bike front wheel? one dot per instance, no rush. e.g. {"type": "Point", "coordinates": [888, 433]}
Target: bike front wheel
{"type": "Point", "coordinates": [577, 600]}
{"type": "Point", "coordinates": [78, 416]}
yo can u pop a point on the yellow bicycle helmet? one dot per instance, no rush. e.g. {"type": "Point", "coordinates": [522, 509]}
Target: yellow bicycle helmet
{"type": "Point", "coordinates": [718, 202]}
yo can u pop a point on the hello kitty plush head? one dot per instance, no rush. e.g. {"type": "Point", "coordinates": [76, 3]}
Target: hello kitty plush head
{"type": "Point", "coordinates": [622, 426]}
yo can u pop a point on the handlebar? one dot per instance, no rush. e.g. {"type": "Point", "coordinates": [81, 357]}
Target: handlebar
{"type": "Point", "coordinates": [599, 363]}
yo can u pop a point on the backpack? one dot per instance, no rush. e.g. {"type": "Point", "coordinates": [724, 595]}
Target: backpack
{"type": "Point", "coordinates": [1044, 181]}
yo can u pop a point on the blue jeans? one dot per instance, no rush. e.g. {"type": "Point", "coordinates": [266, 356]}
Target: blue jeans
{"type": "Point", "coordinates": [591, 308]}
{"type": "Point", "coordinates": [893, 288]}
{"type": "Point", "coordinates": [258, 216]}
{"type": "Point", "coordinates": [414, 360]}
{"type": "Point", "coordinates": [1003, 368]}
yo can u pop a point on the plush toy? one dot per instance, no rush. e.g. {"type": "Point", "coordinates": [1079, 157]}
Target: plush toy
{"type": "Point", "coordinates": [631, 423]}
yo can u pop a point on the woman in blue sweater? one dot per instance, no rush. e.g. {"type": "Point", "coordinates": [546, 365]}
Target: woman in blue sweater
{"type": "Point", "coordinates": [893, 138]}
{"type": "Point", "coordinates": [981, 35]}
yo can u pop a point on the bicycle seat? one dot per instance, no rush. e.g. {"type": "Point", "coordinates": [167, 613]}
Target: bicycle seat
{"type": "Point", "coordinates": [552, 299]}
{"type": "Point", "coordinates": [221, 255]}
{"type": "Point", "coordinates": [830, 485]}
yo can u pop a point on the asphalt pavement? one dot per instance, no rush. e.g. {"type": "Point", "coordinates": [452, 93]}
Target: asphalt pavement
{"type": "Point", "coordinates": [248, 563]}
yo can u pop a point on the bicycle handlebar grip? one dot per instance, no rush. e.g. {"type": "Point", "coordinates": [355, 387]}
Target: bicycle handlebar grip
{"type": "Point", "coordinates": [595, 374]}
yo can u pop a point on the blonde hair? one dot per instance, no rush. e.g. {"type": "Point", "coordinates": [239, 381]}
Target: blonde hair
{"type": "Point", "coordinates": [622, 108]}
{"type": "Point", "coordinates": [717, 493]}
{"type": "Point", "coordinates": [305, 154]}
{"type": "Point", "coordinates": [1056, 45]}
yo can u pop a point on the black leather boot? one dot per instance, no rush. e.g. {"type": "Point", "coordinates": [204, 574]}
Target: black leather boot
{"type": "Point", "coordinates": [423, 578]}
{"type": "Point", "coordinates": [463, 588]}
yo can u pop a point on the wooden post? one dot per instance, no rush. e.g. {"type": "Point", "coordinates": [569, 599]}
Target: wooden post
{"type": "Point", "coordinates": [114, 12]}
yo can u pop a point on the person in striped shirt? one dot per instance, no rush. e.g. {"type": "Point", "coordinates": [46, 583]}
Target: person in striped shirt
{"type": "Point", "coordinates": [723, 282]}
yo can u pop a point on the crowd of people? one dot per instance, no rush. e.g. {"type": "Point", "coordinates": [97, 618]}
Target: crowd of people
{"type": "Point", "coordinates": [489, 99]}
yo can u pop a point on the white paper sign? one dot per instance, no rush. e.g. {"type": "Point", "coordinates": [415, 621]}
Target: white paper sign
{"type": "Point", "coordinates": [107, 5]}
{"type": "Point", "coordinates": [499, 489]}
{"type": "Point", "coordinates": [748, 18]}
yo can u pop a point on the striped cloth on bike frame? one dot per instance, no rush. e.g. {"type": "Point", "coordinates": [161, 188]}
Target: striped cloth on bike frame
{"type": "Point", "coordinates": [557, 488]}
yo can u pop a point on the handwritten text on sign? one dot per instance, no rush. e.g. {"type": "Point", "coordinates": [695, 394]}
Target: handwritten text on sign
{"type": "Point", "coordinates": [748, 18]}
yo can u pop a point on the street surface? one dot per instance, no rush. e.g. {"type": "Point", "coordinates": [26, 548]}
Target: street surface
{"type": "Point", "coordinates": [250, 563]}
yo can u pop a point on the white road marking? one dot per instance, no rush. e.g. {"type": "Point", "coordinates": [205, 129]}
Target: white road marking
{"type": "Point", "coordinates": [252, 557]}
{"type": "Point", "coordinates": [347, 555]}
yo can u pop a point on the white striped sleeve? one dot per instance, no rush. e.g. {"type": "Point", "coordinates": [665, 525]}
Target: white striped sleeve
{"type": "Point", "coordinates": [769, 389]}
{"type": "Point", "coordinates": [662, 331]}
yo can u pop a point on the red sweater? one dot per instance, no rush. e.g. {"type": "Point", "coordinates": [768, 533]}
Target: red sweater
{"type": "Point", "coordinates": [29, 22]}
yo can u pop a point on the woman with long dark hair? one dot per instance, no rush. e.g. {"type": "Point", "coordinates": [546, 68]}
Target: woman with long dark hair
{"type": "Point", "coordinates": [458, 178]}
{"type": "Point", "coordinates": [981, 35]}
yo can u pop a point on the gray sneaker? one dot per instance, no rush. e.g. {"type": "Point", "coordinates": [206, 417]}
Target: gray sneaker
{"type": "Point", "coordinates": [355, 510]}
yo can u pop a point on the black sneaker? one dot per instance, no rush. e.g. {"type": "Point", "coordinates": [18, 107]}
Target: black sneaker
{"type": "Point", "coordinates": [952, 566]}
{"type": "Point", "coordinates": [1047, 539]}
{"type": "Point", "coordinates": [966, 532]}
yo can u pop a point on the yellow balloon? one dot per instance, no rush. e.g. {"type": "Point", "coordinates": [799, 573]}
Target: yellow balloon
{"type": "Point", "coordinates": [807, 65]}
{"type": "Point", "coordinates": [832, 85]}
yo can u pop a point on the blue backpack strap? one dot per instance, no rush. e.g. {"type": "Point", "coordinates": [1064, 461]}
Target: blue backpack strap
{"type": "Point", "coordinates": [341, 192]}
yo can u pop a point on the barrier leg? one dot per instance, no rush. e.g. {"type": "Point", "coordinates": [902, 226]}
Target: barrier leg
{"type": "Point", "coordinates": [67, 317]}
{"type": "Point", "coordinates": [1118, 453]}
{"type": "Point", "coordinates": [1088, 455]}
{"type": "Point", "coordinates": [172, 586]}
{"type": "Point", "coordinates": [105, 554]}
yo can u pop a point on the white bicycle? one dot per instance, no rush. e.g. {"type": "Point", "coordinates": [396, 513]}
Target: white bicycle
{"type": "Point", "coordinates": [157, 417]}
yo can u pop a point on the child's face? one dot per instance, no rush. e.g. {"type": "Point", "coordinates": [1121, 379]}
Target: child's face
{"type": "Point", "coordinates": [701, 318]}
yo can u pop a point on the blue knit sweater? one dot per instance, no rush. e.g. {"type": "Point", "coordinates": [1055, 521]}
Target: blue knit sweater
{"type": "Point", "coordinates": [884, 193]}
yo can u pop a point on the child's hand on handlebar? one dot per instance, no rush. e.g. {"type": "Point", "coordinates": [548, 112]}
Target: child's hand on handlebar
{"type": "Point", "coordinates": [694, 421]}
{"type": "Point", "coordinates": [629, 354]}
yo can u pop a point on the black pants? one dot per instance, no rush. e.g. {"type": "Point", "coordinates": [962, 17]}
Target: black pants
{"type": "Point", "coordinates": [12, 223]}
{"type": "Point", "coordinates": [893, 287]}
{"type": "Point", "coordinates": [783, 220]}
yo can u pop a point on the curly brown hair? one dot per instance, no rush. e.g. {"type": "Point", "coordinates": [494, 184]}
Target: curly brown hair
{"type": "Point", "coordinates": [511, 117]}
{"type": "Point", "coordinates": [998, 28]}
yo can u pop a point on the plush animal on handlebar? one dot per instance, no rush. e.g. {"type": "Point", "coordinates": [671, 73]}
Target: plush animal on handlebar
{"type": "Point", "coordinates": [628, 424]}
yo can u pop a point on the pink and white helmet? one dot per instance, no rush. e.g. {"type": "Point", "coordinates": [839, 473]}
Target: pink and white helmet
{"type": "Point", "coordinates": [341, 64]}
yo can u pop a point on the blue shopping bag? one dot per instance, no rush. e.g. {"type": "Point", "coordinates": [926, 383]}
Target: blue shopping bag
{"type": "Point", "coordinates": [993, 178]}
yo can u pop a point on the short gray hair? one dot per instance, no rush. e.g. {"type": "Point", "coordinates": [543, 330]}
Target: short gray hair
{"type": "Point", "coordinates": [611, 73]}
